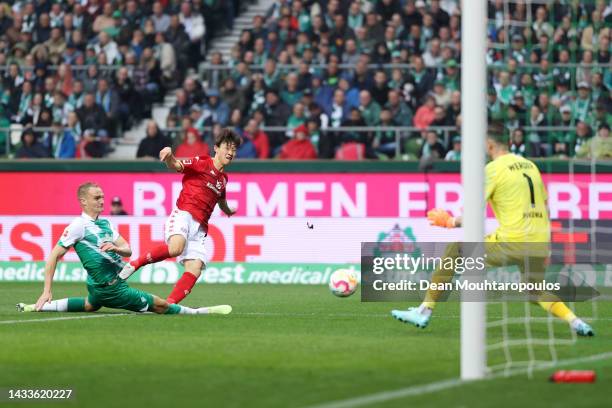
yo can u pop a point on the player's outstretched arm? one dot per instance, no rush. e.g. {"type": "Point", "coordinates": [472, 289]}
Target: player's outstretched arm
{"type": "Point", "coordinates": [167, 157]}
{"type": "Point", "coordinates": [442, 218]}
{"type": "Point", "coordinates": [50, 266]}
{"type": "Point", "coordinates": [225, 208]}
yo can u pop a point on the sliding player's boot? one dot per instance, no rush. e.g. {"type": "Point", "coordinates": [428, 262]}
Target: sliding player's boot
{"type": "Point", "coordinates": [413, 316]}
{"type": "Point", "coordinates": [22, 307]}
{"type": "Point", "coordinates": [582, 328]}
{"type": "Point", "coordinates": [221, 309]}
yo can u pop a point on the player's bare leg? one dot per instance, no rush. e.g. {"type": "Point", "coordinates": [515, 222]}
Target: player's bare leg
{"type": "Point", "coordinates": [174, 247]}
{"type": "Point", "coordinates": [182, 288]}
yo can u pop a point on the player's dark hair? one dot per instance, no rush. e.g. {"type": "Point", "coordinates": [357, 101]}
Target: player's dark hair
{"type": "Point", "coordinates": [228, 136]}
{"type": "Point", "coordinates": [83, 188]}
{"type": "Point", "coordinates": [498, 133]}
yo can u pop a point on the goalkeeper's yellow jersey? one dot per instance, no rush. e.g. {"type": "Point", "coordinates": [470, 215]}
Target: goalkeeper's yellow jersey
{"type": "Point", "coordinates": [516, 192]}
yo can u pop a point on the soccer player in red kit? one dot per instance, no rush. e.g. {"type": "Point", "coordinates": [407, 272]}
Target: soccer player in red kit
{"type": "Point", "coordinates": [204, 182]}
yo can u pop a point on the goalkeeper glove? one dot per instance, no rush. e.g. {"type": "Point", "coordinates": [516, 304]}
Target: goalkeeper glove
{"type": "Point", "coordinates": [440, 218]}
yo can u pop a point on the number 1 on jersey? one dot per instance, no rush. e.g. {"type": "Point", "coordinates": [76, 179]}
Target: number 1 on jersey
{"type": "Point", "coordinates": [531, 193]}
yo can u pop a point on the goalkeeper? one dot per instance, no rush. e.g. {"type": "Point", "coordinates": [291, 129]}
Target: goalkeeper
{"type": "Point", "coordinates": [100, 248]}
{"type": "Point", "coordinates": [517, 195]}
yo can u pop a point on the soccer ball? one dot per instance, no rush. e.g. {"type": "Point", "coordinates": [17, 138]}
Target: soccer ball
{"type": "Point", "coordinates": [343, 282]}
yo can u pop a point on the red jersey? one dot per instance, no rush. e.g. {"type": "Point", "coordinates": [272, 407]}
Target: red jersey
{"type": "Point", "coordinates": [203, 186]}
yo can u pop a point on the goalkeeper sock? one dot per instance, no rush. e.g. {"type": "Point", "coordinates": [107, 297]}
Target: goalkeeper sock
{"type": "Point", "coordinates": [431, 305]}
{"type": "Point", "coordinates": [159, 253]}
{"type": "Point", "coordinates": [559, 309]}
{"type": "Point", "coordinates": [444, 274]}
{"type": "Point", "coordinates": [426, 308]}
{"type": "Point", "coordinates": [65, 305]}
{"type": "Point", "coordinates": [182, 288]}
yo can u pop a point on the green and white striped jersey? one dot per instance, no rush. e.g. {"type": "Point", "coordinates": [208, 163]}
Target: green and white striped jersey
{"type": "Point", "coordinates": [86, 235]}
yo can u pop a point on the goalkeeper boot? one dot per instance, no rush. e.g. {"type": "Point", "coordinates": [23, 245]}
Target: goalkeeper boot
{"type": "Point", "coordinates": [221, 309]}
{"type": "Point", "coordinates": [417, 316]}
{"type": "Point", "coordinates": [582, 328]}
{"type": "Point", "coordinates": [22, 307]}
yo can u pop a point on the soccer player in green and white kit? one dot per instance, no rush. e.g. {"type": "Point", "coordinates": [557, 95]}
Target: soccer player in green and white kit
{"type": "Point", "coordinates": [100, 248]}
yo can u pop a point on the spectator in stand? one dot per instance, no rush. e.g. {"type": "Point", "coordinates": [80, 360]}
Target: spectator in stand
{"type": "Point", "coordinates": [380, 90]}
{"type": "Point", "coordinates": [156, 44]}
{"type": "Point", "coordinates": [276, 114]}
{"type": "Point", "coordinates": [161, 20]}
{"type": "Point", "coordinates": [426, 113]}
{"type": "Point", "coordinates": [258, 137]}
{"type": "Point", "coordinates": [117, 207]}
{"type": "Point", "coordinates": [518, 145]}
{"type": "Point", "coordinates": [233, 96]}
{"type": "Point", "coordinates": [291, 94]}
{"type": "Point", "coordinates": [455, 153]}
{"type": "Point", "coordinates": [400, 112]}
{"type": "Point", "coordinates": [583, 134]}
{"type": "Point", "coordinates": [194, 92]}
{"type": "Point", "coordinates": [108, 99]}
{"type": "Point", "coordinates": [192, 145]}
{"type": "Point", "coordinates": [181, 107]}
{"type": "Point", "coordinates": [216, 108]}
{"type": "Point", "coordinates": [153, 142]}
{"type": "Point", "coordinates": [432, 148]}
{"type": "Point", "coordinates": [299, 147]}
{"type": "Point", "coordinates": [441, 119]}
{"type": "Point", "coordinates": [247, 149]}
{"type": "Point", "coordinates": [91, 115]}
{"type": "Point", "coordinates": [441, 94]}
{"type": "Point", "coordinates": [62, 142]}
{"type": "Point", "coordinates": [582, 104]}
{"type": "Point", "coordinates": [598, 147]}
{"type": "Point", "coordinates": [214, 77]}
{"type": "Point", "coordinates": [30, 147]}
{"type": "Point", "coordinates": [195, 29]}
{"type": "Point", "coordinates": [297, 118]}
{"type": "Point", "coordinates": [421, 79]}
{"type": "Point", "coordinates": [385, 142]}
{"type": "Point", "coordinates": [370, 109]}
{"type": "Point", "coordinates": [313, 125]}
{"type": "Point", "coordinates": [454, 109]}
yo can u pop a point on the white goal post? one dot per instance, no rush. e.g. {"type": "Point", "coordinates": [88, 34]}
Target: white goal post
{"type": "Point", "coordinates": [473, 129]}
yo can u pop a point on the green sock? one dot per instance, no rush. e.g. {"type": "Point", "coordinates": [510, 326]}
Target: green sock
{"type": "Point", "coordinates": [76, 304]}
{"type": "Point", "coordinates": [173, 309]}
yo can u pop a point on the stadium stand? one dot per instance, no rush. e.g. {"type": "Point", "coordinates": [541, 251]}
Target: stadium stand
{"type": "Point", "coordinates": [360, 79]}
{"type": "Point", "coordinates": [76, 75]}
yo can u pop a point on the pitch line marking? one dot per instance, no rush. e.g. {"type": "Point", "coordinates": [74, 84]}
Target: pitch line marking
{"type": "Point", "coordinates": [52, 319]}
{"type": "Point", "coordinates": [385, 315]}
{"type": "Point", "coordinates": [262, 314]}
{"type": "Point", "coordinates": [447, 384]}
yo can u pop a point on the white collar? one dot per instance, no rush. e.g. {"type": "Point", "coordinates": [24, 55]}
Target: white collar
{"type": "Point", "coordinates": [87, 217]}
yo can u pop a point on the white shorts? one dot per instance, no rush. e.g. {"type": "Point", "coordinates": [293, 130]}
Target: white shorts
{"type": "Point", "coordinates": [182, 223]}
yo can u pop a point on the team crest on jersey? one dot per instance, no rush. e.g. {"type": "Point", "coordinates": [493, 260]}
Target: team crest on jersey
{"type": "Point", "coordinates": [217, 188]}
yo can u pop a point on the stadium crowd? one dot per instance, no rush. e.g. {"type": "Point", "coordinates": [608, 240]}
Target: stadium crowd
{"type": "Point", "coordinates": [77, 73]}
{"type": "Point", "coordinates": [313, 67]}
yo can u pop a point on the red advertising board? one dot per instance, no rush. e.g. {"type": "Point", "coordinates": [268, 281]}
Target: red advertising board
{"type": "Point", "coordinates": [576, 196]}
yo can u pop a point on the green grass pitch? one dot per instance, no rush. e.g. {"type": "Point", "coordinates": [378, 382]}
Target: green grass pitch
{"type": "Point", "coordinates": [283, 346]}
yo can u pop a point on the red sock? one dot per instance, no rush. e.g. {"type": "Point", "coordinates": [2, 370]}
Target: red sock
{"type": "Point", "coordinates": [182, 287]}
{"type": "Point", "coordinates": [159, 253]}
